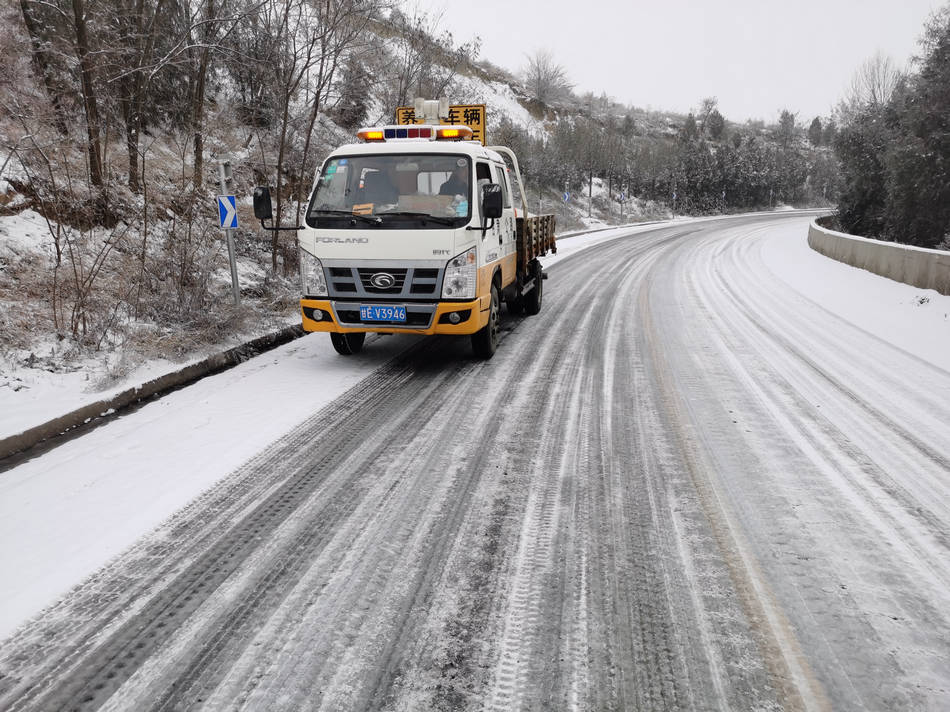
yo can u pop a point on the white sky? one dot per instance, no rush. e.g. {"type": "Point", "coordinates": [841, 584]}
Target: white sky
{"type": "Point", "coordinates": [756, 56]}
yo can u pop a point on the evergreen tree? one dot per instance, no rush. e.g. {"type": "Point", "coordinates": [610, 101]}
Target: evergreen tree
{"type": "Point", "coordinates": [715, 125]}
{"type": "Point", "coordinates": [353, 107]}
{"type": "Point", "coordinates": [860, 147]}
{"type": "Point", "coordinates": [895, 154]}
{"type": "Point", "coordinates": [829, 132]}
{"type": "Point", "coordinates": [918, 165]}
{"type": "Point", "coordinates": [786, 128]}
{"type": "Point", "coordinates": [690, 130]}
{"type": "Point", "coordinates": [814, 132]}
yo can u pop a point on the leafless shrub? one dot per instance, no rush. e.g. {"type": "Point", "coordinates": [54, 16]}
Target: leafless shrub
{"type": "Point", "coordinates": [546, 80]}
{"type": "Point", "coordinates": [873, 84]}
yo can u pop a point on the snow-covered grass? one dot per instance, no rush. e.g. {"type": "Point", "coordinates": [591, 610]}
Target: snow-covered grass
{"type": "Point", "coordinates": [22, 235]}
{"type": "Point", "coordinates": [46, 371]}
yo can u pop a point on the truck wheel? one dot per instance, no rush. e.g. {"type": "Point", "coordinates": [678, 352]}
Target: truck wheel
{"type": "Point", "coordinates": [347, 344]}
{"type": "Point", "coordinates": [485, 341]}
{"type": "Point", "coordinates": [532, 300]}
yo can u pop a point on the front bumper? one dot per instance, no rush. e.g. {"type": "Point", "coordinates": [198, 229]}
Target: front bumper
{"type": "Point", "coordinates": [422, 318]}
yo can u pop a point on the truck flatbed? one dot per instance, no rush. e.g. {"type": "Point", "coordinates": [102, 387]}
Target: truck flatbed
{"type": "Point", "coordinates": [535, 237]}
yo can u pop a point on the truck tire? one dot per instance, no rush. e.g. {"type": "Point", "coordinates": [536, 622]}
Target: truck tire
{"type": "Point", "coordinates": [347, 344]}
{"type": "Point", "coordinates": [485, 341]}
{"type": "Point", "coordinates": [532, 300]}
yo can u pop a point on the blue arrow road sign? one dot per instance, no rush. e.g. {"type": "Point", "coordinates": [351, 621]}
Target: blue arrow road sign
{"type": "Point", "coordinates": [567, 196]}
{"type": "Point", "coordinates": [227, 212]}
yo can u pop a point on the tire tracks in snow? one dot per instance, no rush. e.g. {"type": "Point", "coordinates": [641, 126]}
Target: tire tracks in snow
{"type": "Point", "coordinates": [571, 525]}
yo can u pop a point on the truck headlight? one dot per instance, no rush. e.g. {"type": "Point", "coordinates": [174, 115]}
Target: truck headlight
{"type": "Point", "coordinates": [460, 276]}
{"type": "Point", "coordinates": [312, 279]}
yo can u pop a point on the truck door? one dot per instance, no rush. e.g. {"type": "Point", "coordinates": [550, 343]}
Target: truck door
{"type": "Point", "coordinates": [507, 221]}
{"type": "Point", "coordinates": [491, 241]}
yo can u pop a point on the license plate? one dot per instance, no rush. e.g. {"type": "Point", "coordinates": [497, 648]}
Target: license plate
{"type": "Point", "coordinates": [373, 312]}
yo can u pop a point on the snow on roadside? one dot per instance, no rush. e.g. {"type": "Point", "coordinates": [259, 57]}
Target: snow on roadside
{"type": "Point", "coordinates": [46, 377]}
{"type": "Point", "coordinates": [914, 319]}
{"type": "Point", "coordinates": [24, 234]}
{"type": "Point", "coordinates": [66, 513]}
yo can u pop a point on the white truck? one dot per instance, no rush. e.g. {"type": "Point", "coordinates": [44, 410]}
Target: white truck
{"type": "Point", "coordinates": [415, 230]}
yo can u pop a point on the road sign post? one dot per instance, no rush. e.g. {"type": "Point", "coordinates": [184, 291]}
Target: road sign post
{"type": "Point", "coordinates": [228, 221]}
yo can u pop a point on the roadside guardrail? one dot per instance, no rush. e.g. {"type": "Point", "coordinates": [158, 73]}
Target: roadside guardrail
{"type": "Point", "coordinates": [917, 266]}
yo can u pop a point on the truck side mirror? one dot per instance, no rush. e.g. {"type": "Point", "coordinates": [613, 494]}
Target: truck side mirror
{"type": "Point", "coordinates": [262, 204]}
{"type": "Point", "coordinates": [492, 203]}
{"type": "Point", "coordinates": [263, 210]}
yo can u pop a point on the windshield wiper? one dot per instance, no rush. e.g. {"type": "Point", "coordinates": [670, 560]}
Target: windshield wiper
{"type": "Point", "coordinates": [424, 216]}
{"type": "Point", "coordinates": [372, 219]}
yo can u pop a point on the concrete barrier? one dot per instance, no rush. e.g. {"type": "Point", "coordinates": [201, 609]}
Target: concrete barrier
{"type": "Point", "coordinates": [917, 266]}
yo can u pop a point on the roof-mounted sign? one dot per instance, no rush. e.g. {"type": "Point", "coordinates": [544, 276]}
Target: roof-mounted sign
{"type": "Point", "coordinates": [472, 115]}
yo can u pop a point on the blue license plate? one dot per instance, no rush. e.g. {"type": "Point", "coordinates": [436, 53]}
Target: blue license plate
{"type": "Point", "coordinates": [373, 312]}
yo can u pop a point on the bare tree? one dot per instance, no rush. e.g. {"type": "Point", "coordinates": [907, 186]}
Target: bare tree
{"type": "Point", "coordinates": [873, 83]}
{"type": "Point", "coordinates": [44, 59]}
{"type": "Point", "coordinates": [294, 56]}
{"type": "Point", "coordinates": [89, 95]}
{"type": "Point", "coordinates": [137, 20]}
{"type": "Point", "coordinates": [199, 55]}
{"type": "Point", "coordinates": [341, 23]}
{"type": "Point", "coordinates": [546, 80]}
{"type": "Point", "coordinates": [706, 107]}
{"type": "Point", "coordinates": [424, 60]}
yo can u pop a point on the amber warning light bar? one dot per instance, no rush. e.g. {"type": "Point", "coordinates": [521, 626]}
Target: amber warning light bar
{"type": "Point", "coordinates": [425, 133]}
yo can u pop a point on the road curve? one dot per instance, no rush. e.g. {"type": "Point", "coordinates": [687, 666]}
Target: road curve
{"type": "Point", "coordinates": [682, 486]}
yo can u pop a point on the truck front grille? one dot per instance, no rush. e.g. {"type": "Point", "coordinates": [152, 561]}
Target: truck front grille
{"type": "Point", "coordinates": [397, 276]}
{"type": "Point", "coordinates": [391, 282]}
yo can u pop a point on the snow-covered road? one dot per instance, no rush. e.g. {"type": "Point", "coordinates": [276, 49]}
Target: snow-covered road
{"type": "Point", "coordinates": [713, 473]}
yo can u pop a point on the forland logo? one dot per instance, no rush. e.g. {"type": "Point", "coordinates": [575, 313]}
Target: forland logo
{"type": "Point", "coordinates": [342, 240]}
{"type": "Point", "coordinates": [382, 280]}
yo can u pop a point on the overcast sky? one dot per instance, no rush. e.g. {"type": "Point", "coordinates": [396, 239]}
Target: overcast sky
{"type": "Point", "coordinates": [755, 56]}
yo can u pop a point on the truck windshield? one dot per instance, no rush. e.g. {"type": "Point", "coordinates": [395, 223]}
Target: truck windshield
{"type": "Point", "coordinates": [404, 191]}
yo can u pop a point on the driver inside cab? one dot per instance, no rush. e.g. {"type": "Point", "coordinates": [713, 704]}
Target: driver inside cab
{"type": "Point", "coordinates": [384, 187]}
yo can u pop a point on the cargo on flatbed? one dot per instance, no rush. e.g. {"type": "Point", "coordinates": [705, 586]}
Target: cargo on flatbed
{"type": "Point", "coordinates": [535, 237]}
